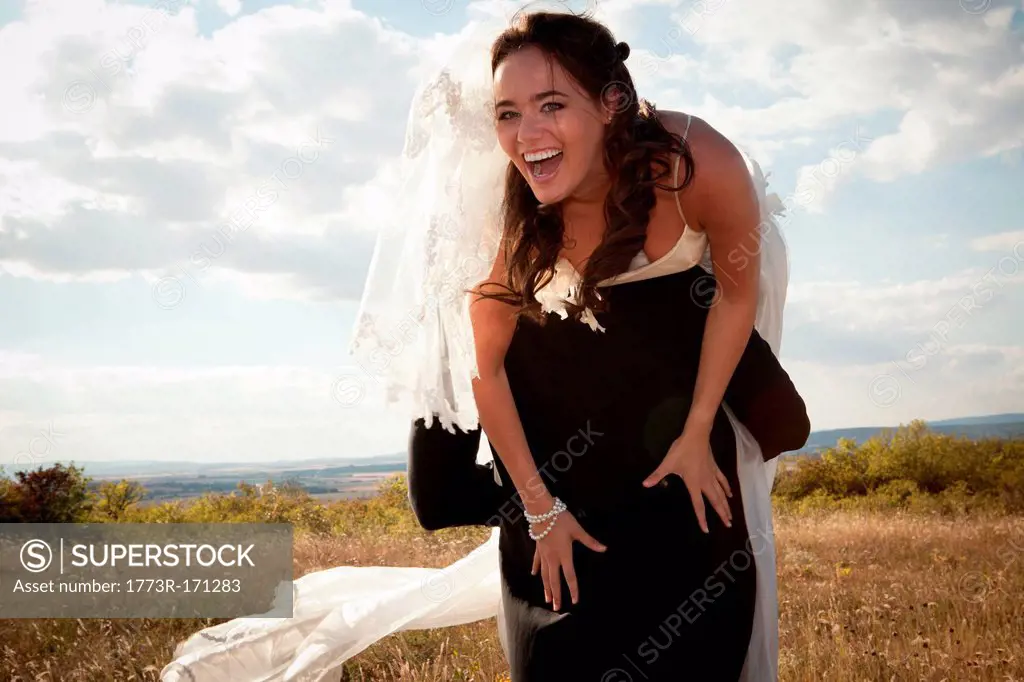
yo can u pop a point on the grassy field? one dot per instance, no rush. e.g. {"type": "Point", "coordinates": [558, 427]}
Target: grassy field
{"type": "Point", "coordinates": [863, 596]}
{"type": "Point", "coordinates": [897, 584]}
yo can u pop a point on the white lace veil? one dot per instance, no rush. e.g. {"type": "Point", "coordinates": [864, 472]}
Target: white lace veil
{"type": "Point", "coordinates": [412, 332]}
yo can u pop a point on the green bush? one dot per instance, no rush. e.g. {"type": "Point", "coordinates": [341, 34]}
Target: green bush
{"type": "Point", "coordinates": [912, 468]}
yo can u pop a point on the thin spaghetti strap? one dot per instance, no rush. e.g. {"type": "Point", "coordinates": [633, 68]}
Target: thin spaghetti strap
{"type": "Point", "coordinates": [675, 170]}
{"type": "Point", "coordinates": [675, 177]}
{"type": "Point", "coordinates": [675, 182]}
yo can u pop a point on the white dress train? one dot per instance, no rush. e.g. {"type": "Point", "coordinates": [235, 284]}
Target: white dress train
{"type": "Point", "coordinates": [340, 612]}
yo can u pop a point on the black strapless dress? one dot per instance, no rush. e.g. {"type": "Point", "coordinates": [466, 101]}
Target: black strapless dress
{"type": "Point", "coordinates": [600, 410]}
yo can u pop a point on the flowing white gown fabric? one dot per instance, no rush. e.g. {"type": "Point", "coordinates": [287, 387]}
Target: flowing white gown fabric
{"type": "Point", "coordinates": [413, 334]}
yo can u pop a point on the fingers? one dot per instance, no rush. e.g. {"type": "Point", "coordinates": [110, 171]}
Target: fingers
{"type": "Point", "coordinates": [724, 481]}
{"type": "Point", "coordinates": [538, 567]}
{"type": "Point", "coordinates": [589, 541]}
{"type": "Point", "coordinates": [720, 484]}
{"type": "Point", "coordinates": [555, 583]}
{"type": "Point", "coordinates": [570, 580]}
{"type": "Point", "coordinates": [656, 476]}
{"type": "Point", "coordinates": [716, 494]}
{"type": "Point", "coordinates": [548, 580]}
{"type": "Point", "coordinates": [698, 506]}
{"type": "Point", "coordinates": [551, 569]}
{"type": "Point", "coordinates": [552, 562]}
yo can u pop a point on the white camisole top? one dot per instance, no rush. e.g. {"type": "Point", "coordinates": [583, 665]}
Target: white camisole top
{"type": "Point", "coordinates": [688, 251]}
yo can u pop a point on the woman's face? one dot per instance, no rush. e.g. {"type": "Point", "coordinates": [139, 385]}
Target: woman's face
{"type": "Point", "coordinates": [548, 126]}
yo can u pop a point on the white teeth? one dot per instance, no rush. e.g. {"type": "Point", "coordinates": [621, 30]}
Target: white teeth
{"type": "Point", "coordinates": [540, 156]}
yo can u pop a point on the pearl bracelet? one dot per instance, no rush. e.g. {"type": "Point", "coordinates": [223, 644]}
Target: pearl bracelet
{"type": "Point", "coordinates": [557, 509]}
{"type": "Point", "coordinates": [541, 535]}
{"type": "Point", "coordinates": [552, 514]}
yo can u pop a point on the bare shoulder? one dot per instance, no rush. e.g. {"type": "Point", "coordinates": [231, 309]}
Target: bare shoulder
{"type": "Point", "coordinates": [711, 149]}
{"type": "Point", "coordinates": [721, 172]}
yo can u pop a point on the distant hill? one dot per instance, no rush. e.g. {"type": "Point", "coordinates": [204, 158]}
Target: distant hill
{"type": "Point", "coordinates": [145, 468]}
{"type": "Point", "coordinates": [331, 478]}
{"type": "Point", "coordinates": [1011, 418]}
{"type": "Point", "coordinates": [326, 478]}
{"type": "Point", "coordinates": [976, 428]}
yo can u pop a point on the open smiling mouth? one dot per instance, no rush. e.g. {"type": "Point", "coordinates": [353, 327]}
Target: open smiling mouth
{"type": "Point", "coordinates": [543, 164]}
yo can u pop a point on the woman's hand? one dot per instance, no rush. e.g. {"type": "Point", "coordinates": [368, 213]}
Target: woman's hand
{"type": "Point", "coordinates": [553, 556]}
{"type": "Point", "coordinates": [690, 458]}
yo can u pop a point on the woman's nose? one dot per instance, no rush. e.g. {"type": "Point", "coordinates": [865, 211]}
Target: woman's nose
{"type": "Point", "coordinates": [529, 129]}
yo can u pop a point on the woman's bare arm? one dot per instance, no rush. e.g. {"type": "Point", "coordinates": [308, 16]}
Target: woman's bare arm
{"type": "Point", "coordinates": [730, 216]}
{"type": "Point", "coordinates": [494, 323]}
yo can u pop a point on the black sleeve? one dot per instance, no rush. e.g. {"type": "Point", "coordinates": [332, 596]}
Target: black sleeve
{"type": "Point", "coordinates": [763, 397]}
{"type": "Point", "coordinates": [447, 487]}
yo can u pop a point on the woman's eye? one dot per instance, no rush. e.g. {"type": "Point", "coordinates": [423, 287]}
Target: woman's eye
{"type": "Point", "coordinates": [551, 106]}
{"type": "Point", "coordinates": [506, 115]}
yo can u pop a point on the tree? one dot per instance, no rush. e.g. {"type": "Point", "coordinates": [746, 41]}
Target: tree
{"type": "Point", "coordinates": [57, 494]}
{"type": "Point", "coordinates": [10, 501]}
{"type": "Point", "coordinates": [115, 498]}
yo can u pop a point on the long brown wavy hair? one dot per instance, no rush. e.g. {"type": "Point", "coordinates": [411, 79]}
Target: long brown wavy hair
{"type": "Point", "coordinates": [638, 150]}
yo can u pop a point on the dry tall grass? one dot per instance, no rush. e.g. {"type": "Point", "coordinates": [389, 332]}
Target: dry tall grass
{"type": "Point", "coordinates": [863, 596]}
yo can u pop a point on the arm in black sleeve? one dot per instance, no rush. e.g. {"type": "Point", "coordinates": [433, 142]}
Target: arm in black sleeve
{"type": "Point", "coordinates": [447, 487]}
{"type": "Point", "coordinates": [763, 397]}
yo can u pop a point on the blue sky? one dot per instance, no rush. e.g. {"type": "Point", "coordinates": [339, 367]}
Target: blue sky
{"type": "Point", "coordinates": [130, 131]}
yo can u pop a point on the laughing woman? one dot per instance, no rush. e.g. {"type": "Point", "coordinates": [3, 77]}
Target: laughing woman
{"type": "Point", "coordinates": [634, 549]}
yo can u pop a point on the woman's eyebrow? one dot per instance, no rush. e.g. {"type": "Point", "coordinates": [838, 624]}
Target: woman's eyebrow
{"type": "Point", "coordinates": [539, 96]}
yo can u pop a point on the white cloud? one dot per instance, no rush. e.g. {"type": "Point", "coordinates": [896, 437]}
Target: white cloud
{"type": "Point", "coordinates": [953, 78]}
{"type": "Point", "coordinates": [913, 307]}
{"type": "Point", "coordinates": [1004, 242]}
{"type": "Point", "coordinates": [959, 380]}
{"type": "Point", "coordinates": [855, 323]}
{"type": "Point", "coordinates": [230, 7]}
{"type": "Point", "coordinates": [227, 413]}
{"type": "Point", "coordinates": [124, 115]}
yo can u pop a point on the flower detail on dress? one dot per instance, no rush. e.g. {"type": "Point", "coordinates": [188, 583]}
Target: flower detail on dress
{"type": "Point", "coordinates": [562, 289]}
{"type": "Point", "coordinates": [591, 321]}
